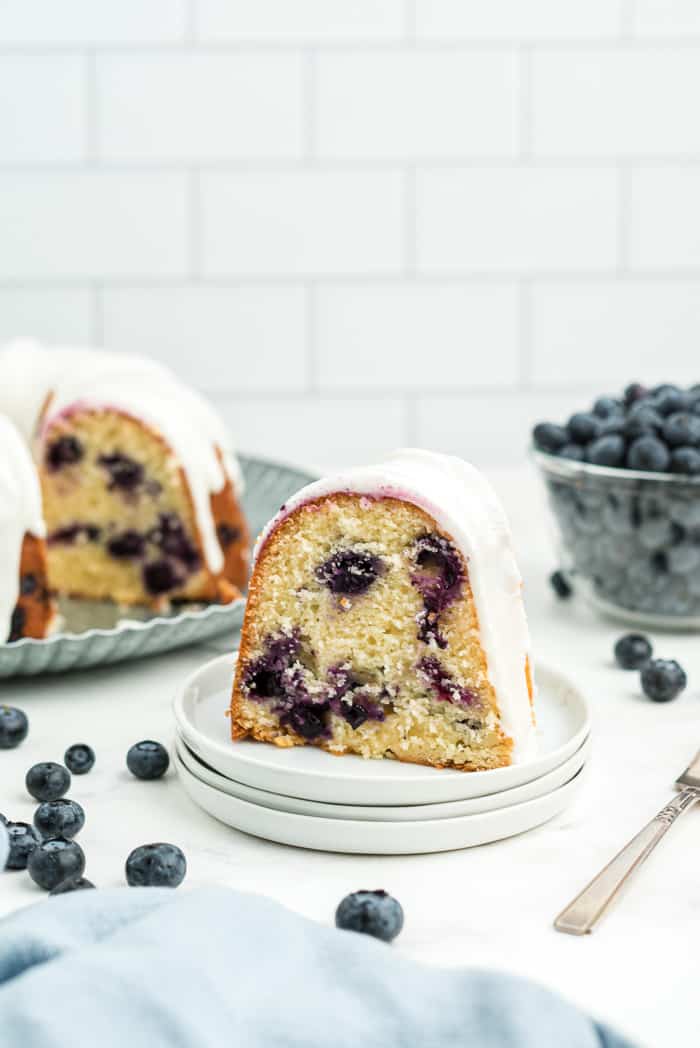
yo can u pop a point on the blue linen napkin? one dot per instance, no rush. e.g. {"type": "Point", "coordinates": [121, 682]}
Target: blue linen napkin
{"type": "Point", "coordinates": [149, 967]}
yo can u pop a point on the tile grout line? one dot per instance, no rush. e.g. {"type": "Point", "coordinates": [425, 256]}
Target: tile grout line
{"type": "Point", "coordinates": [525, 335]}
{"type": "Point", "coordinates": [92, 106]}
{"type": "Point", "coordinates": [194, 226]}
{"type": "Point", "coordinates": [309, 89]}
{"type": "Point", "coordinates": [525, 108]}
{"type": "Point", "coordinates": [312, 348]}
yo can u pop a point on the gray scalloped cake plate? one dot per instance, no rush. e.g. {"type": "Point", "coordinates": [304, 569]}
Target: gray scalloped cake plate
{"type": "Point", "coordinates": [87, 641]}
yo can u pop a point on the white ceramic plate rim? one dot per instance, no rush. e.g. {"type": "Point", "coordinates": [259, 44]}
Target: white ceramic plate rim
{"type": "Point", "coordinates": [348, 779]}
{"type": "Point", "coordinates": [384, 813]}
{"type": "Point", "coordinates": [377, 838]}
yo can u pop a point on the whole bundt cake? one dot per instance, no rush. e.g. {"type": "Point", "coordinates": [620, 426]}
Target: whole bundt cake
{"type": "Point", "coordinates": [140, 486]}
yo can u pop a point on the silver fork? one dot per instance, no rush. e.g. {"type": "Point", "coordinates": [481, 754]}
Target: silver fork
{"type": "Point", "coordinates": [581, 915]}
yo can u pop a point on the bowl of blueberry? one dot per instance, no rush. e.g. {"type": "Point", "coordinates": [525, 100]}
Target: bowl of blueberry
{"type": "Point", "coordinates": [623, 482]}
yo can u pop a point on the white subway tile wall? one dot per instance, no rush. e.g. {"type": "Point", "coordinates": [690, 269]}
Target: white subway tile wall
{"type": "Point", "coordinates": [363, 224]}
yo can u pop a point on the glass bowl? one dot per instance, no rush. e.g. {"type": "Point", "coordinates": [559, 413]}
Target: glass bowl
{"type": "Point", "coordinates": [631, 540]}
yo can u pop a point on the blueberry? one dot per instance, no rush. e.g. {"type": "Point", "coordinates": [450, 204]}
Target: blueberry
{"type": "Point", "coordinates": [683, 558]}
{"type": "Point", "coordinates": [227, 534]}
{"type": "Point", "coordinates": [125, 474]}
{"type": "Point", "coordinates": [55, 860]}
{"type": "Point", "coordinates": [61, 818]}
{"type": "Point", "coordinates": [606, 451]}
{"type": "Point", "coordinates": [560, 584]}
{"type": "Point", "coordinates": [147, 760]}
{"type": "Point", "coordinates": [634, 393]}
{"type": "Point", "coordinates": [573, 451]}
{"type": "Point", "coordinates": [632, 651]}
{"type": "Point", "coordinates": [373, 913]}
{"type": "Point", "coordinates": [686, 461]}
{"type": "Point", "coordinates": [161, 576]}
{"type": "Point", "coordinates": [663, 680]}
{"type": "Point", "coordinates": [65, 451]}
{"type": "Point", "coordinates": [309, 721]}
{"type": "Point", "coordinates": [641, 421]}
{"type": "Point", "coordinates": [23, 840]}
{"type": "Point", "coordinates": [170, 537]}
{"type": "Point", "coordinates": [649, 455]}
{"type": "Point", "coordinates": [72, 884]}
{"type": "Point", "coordinates": [349, 572]}
{"type": "Point", "coordinates": [14, 727]}
{"type": "Point", "coordinates": [79, 758]}
{"type": "Point", "coordinates": [126, 544]}
{"type": "Point", "coordinates": [682, 428]}
{"type": "Point", "coordinates": [156, 866]}
{"type": "Point", "coordinates": [17, 624]}
{"type": "Point", "coordinates": [549, 437]}
{"type": "Point", "coordinates": [583, 427]}
{"type": "Point", "coordinates": [668, 399]}
{"type": "Point", "coordinates": [28, 584]}
{"type": "Point", "coordinates": [48, 781]}
{"type": "Point", "coordinates": [605, 407]}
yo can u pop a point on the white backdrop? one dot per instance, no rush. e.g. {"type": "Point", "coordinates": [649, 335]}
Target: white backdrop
{"type": "Point", "coordinates": [359, 224]}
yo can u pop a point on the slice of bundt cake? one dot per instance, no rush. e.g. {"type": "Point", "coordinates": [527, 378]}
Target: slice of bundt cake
{"type": "Point", "coordinates": [140, 486]}
{"type": "Point", "coordinates": [385, 619]}
{"type": "Point", "coordinates": [26, 608]}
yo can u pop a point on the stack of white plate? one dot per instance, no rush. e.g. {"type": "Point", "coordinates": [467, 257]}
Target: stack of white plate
{"type": "Point", "coordinates": [305, 797]}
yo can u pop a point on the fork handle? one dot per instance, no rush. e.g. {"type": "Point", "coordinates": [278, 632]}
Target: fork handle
{"type": "Point", "coordinates": [588, 907]}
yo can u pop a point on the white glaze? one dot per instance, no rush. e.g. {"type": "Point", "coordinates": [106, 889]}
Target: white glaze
{"type": "Point", "coordinates": [464, 505]}
{"type": "Point", "coordinates": [64, 378]}
{"type": "Point", "coordinates": [20, 514]}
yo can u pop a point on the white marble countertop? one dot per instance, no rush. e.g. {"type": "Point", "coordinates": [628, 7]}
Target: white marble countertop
{"type": "Point", "coordinates": [491, 906]}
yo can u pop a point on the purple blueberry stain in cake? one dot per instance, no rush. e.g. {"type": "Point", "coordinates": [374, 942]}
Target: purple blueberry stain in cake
{"type": "Point", "coordinates": [228, 534]}
{"type": "Point", "coordinates": [346, 698]}
{"type": "Point", "coordinates": [126, 545]}
{"type": "Point", "coordinates": [438, 577]}
{"type": "Point", "coordinates": [307, 720]}
{"type": "Point", "coordinates": [71, 534]}
{"type": "Point", "coordinates": [161, 576]}
{"type": "Point", "coordinates": [443, 684]}
{"type": "Point", "coordinates": [349, 572]}
{"type": "Point", "coordinates": [125, 474]}
{"type": "Point", "coordinates": [264, 677]}
{"type": "Point", "coordinates": [28, 585]}
{"type": "Point", "coordinates": [64, 451]}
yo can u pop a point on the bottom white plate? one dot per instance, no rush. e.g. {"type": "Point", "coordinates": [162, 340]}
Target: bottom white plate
{"type": "Point", "coordinates": [377, 838]}
{"type": "Point", "coordinates": [378, 813]}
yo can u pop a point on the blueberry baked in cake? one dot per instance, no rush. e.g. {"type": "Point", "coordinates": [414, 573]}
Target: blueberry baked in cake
{"type": "Point", "coordinates": [139, 485]}
{"type": "Point", "coordinates": [385, 619]}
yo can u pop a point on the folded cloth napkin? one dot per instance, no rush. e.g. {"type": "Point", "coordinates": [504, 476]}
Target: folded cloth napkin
{"type": "Point", "coordinates": [151, 967]}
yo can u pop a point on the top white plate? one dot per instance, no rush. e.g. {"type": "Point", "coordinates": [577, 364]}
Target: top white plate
{"type": "Point", "coordinates": [200, 712]}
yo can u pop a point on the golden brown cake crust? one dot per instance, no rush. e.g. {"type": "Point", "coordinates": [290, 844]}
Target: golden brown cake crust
{"type": "Point", "coordinates": [292, 527]}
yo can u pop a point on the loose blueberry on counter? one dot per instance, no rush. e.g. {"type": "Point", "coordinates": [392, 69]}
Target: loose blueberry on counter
{"type": "Point", "coordinates": [550, 437]}
{"type": "Point", "coordinates": [61, 818]}
{"type": "Point", "coordinates": [48, 781]}
{"type": "Point", "coordinates": [72, 884]}
{"type": "Point", "coordinates": [560, 584]}
{"type": "Point", "coordinates": [54, 861]}
{"type": "Point", "coordinates": [14, 727]}
{"type": "Point", "coordinates": [633, 651]}
{"type": "Point", "coordinates": [156, 866]}
{"type": "Point", "coordinates": [663, 680]}
{"type": "Point", "coordinates": [23, 840]}
{"type": "Point", "coordinates": [147, 760]}
{"type": "Point", "coordinates": [373, 913]}
{"type": "Point", "coordinates": [79, 758]}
